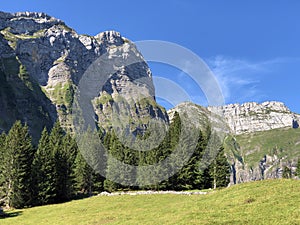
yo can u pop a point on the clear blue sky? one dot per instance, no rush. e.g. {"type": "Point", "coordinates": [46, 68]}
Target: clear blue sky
{"type": "Point", "coordinates": [253, 47]}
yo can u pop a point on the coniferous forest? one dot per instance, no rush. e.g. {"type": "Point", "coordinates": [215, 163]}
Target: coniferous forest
{"type": "Point", "coordinates": [55, 170]}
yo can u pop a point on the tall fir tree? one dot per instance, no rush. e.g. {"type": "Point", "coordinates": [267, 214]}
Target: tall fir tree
{"type": "Point", "coordinates": [2, 168]}
{"type": "Point", "coordinates": [56, 140]}
{"type": "Point", "coordinates": [18, 156]}
{"type": "Point", "coordinates": [70, 150]}
{"type": "Point", "coordinates": [219, 170]}
{"type": "Point", "coordinates": [83, 175]}
{"type": "Point", "coordinates": [43, 172]}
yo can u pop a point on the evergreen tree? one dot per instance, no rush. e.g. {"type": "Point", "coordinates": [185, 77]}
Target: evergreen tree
{"type": "Point", "coordinates": [18, 158]}
{"type": "Point", "coordinates": [70, 150]}
{"type": "Point", "coordinates": [83, 175]}
{"type": "Point", "coordinates": [190, 176]}
{"type": "Point", "coordinates": [91, 161]}
{"type": "Point", "coordinates": [56, 141]}
{"type": "Point", "coordinates": [220, 170]}
{"type": "Point", "coordinates": [43, 172]}
{"type": "Point", "coordinates": [2, 168]}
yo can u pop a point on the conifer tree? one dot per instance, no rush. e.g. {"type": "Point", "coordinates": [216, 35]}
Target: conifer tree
{"type": "Point", "coordinates": [83, 175]}
{"type": "Point", "coordinates": [56, 141]}
{"type": "Point", "coordinates": [70, 150]}
{"type": "Point", "coordinates": [18, 158]}
{"type": "Point", "coordinates": [43, 172]}
{"type": "Point", "coordinates": [220, 170]}
{"type": "Point", "coordinates": [2, 168]}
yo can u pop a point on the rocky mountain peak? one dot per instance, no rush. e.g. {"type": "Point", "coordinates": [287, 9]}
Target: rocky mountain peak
{"type": "Point", "coordinates": [110, 38]}
{"type": "Point", "coordinates": [252, 117]}
{"type": "Point", "coordinates": [53, 58]}
{"type": "Point", "coordinates": [27, 22]}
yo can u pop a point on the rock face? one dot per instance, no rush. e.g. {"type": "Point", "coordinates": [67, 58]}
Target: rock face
{"type": "Point", "coordinates": [260, 139]}
{"type": "Point", "coordinates": [253, 117]}
{"type": "Point", "coordinates": [54, 58]}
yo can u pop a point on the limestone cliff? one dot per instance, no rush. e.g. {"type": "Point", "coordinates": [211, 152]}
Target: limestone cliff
{"type": "Point", "coordinates": [252, 117]}
{"type": "Point", "coordinates": [43, 54]}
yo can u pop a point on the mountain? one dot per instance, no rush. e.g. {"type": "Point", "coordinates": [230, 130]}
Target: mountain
{"type": "Point", "coordinates": [260, 139]}
{"type": "Point", "coordinates": [252, 117]}
{"type": "Point", "coordinates": [43, 62]}
{"type": "Point", "coordinates": [45, 65]}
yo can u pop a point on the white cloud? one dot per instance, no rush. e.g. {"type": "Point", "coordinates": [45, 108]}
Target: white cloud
{"type": "Point", "coordinates": [240, 79]}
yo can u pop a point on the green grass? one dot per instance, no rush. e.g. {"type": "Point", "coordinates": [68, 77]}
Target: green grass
{"type": "Point", "coordinates": [284, 142]}
{"type": "Point", "coordinates": [264, 202]}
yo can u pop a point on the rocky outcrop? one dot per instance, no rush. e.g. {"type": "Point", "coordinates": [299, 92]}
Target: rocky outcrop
{"type": "Point", "coordinates": [55, 58]}
{"type": "Point", "coordinates": [253, 117]}
{"type": "Point", "coordinates": [269, 167]}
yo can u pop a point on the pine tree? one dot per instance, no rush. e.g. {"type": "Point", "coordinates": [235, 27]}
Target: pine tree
{"type": "Point", "coordinates": [43, 172]}
{"type": "Point", "coordinates": [17, 162]}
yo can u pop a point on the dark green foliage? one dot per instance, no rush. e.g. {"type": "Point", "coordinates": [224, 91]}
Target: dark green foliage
{"type": "Point", "coordinates": [219, 170]}
{"type": "Point", "coordinates": [2, 168]}
{"type": "Point", "coordinates": [43, 172]}
{"type": "Point", "coordinates": [83, 175]}
{"type": "Point", "coordinates": [90, 160]}
{"type": "Point", "coordinates": [17, 160]}
{"type": "Point", "coordinates": [287, 173]}
{"type": "Point", "coordinates": [62, 168]}
{"type": "Point", "coordinates": [64, 152]}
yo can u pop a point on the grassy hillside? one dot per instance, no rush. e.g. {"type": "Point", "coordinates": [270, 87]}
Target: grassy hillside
{"type": "Point", "coordinates": [283, 142]}
{"type": "Point", "coordinates": [264, 202]}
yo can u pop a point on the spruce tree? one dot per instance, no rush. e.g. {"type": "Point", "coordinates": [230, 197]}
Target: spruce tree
{"type": "Point", "coordinates": [70, 150]}
{"type": "Point", "coordinates": [83, 175]}
{"type": "Point", "coordinates": [43, 172]}
{"type": "Point", "coordinates": [220, 170]}
{"type": "Point", "coordinates": [18, 158]}
{"type": "Point", "coordinates": [2, 168]}
{"type": "Point", "coordinates": [61, 163]}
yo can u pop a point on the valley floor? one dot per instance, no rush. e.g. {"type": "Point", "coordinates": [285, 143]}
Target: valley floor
{"type": "Point", "coordinates": [262, 202]}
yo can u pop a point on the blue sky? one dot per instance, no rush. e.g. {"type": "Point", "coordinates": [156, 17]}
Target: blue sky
{"type": "Point", "coordinates": [252, 47]}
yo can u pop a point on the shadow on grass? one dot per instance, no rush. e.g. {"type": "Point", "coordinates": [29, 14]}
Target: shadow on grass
{"type": "Point", "coordinates": [10, 214]}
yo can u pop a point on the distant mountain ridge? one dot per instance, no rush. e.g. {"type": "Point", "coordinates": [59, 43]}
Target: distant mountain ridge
{"type": "Point", "coordinates": [252, 117]}
{"type": "Point", "coordinates": [42, 61]}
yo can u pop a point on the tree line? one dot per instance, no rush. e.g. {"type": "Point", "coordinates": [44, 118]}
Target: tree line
{"type": "Point", "coordinates": [56, 171]}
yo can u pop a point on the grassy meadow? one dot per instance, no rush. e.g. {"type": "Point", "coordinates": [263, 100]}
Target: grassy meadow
{"type": "Point", "coordinates": [263, 202]}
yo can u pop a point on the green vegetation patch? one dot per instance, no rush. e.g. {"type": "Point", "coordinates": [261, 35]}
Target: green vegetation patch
{"type": "Point", "coordinates": [262, 202]}
{"type": "Point", "coordinates": [283, 142]}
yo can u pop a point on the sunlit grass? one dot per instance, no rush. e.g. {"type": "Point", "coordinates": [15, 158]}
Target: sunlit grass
{"type": "Point", "coordinates": [263, 202]}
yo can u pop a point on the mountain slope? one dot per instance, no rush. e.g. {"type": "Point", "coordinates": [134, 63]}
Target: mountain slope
{"type": "Point", "coordinates": [260, 139]}
{"type": "Point", "coordinates": [56, 58]}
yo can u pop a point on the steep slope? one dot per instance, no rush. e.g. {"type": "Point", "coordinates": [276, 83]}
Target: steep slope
{"type": "Point", "coordinates": [252, 117]}
{"type": "Point", "coordinates": [263, 155]}
{"type": "Point", "coordinates": [55, 59]}
{"type": "Point", "coordinates": [260, 139]}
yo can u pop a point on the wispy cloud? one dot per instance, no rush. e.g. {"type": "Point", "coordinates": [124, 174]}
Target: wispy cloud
{"type": "Point", "coordinates": [241, 80]}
